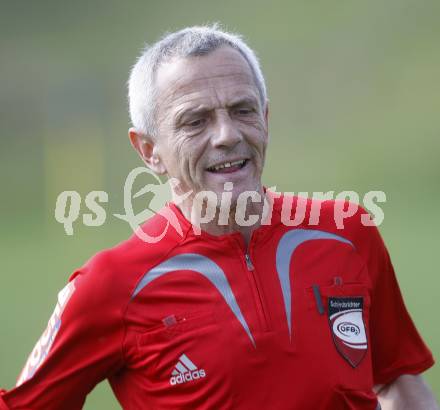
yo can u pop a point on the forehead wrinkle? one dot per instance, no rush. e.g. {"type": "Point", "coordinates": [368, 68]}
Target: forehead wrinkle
{"type": "Point", "coordinates": [190, 92]}
{"type": "Point", "coordinates": [195, 74]}
{"type": "Point", "coordinates": [174, 88]}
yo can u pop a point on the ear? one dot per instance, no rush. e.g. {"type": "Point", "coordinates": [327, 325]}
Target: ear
{"type": "Point", "coordinates": [147, 148]}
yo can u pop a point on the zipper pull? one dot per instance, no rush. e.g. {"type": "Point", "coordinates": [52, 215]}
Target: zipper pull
{"type": "Point", "coordinates": [169, 321]}
{"type": "Point", "coordinates": [318, 299]}
{"type": "Point", "coordinates": [249, 264]}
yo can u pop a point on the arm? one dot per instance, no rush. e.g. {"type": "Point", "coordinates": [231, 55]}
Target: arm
{"type": "Point", "coordinates": [399, 354]}
{"type": "Point", "coordinates": [80, 347]}
{"type": "Point", "coordinates": [407, 392]}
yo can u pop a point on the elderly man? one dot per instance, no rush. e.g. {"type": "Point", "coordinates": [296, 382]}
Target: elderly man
{"type": "Point", "coordinates": [245, 313]}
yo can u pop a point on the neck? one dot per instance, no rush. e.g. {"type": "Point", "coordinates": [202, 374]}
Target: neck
{"type": "Point", "coordinates": [220, 219]}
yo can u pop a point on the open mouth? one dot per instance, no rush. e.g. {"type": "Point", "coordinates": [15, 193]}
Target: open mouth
{"type": "Point", "coordinates": [227, 167]}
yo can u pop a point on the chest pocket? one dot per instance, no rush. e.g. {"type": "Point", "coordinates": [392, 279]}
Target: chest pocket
{"type": "Point", "coordinates": [193, 334]}
{"type": "Point", "coordinates": [340, 315]}
{"type": "Point", "coordinates": [177, 325]}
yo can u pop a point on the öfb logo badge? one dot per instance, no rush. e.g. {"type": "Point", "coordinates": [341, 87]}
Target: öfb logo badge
{"type": "Point", "coordinates": [347, 327]}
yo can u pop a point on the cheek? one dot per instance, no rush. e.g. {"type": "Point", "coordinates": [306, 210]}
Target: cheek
{"type": "Point", "coordinates": [186, 158]}
{"type": "Point", "coordinates": [256, 136]}
{"type": "Point", "coordinates": [173, 156]}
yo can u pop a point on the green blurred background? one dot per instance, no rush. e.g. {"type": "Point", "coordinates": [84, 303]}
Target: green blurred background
{"type": "Point", "coordinates": [354, 93]}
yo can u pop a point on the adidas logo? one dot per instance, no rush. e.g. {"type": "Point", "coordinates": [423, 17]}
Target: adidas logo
{"type": "Point", "coordinates": [185, 371]}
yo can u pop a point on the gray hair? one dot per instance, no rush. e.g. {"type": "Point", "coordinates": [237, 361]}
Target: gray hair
{"type": "Point", "coordinates": [191, 41]}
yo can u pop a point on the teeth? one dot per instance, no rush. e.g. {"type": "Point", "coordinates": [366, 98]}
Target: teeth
{"type": "Point", "coordinates": [228, 165]}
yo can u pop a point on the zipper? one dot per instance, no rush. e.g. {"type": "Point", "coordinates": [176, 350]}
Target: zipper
{"type": "Point", "coordinates": [260, 305]}
{"type": "Point", "coordinates": [249, 264]}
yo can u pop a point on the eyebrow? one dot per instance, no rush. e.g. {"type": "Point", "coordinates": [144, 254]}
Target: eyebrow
{"type": "Point", "coordinates": [190, 112]}
{"type": "Point", "coordinates": [246, 100]}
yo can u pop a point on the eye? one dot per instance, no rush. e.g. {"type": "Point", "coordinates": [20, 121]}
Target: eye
{"type": "Point", "coordinates": [243, 111]}
{"type": "Point", "coordinates": [196, 123]}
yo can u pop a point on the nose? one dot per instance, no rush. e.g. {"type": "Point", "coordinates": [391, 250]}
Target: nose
{"type": "Point", "coordinates": [226, 133]}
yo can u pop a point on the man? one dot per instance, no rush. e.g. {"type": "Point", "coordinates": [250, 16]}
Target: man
{"type": "Point", "coordinates": [245, 313]}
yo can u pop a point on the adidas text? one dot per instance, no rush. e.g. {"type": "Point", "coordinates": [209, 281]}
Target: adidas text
{"type": "Point", "coordinates": [187, 377]}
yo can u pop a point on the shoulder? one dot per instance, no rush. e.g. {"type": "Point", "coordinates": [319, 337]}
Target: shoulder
{"type": "Point", "coordinates": [112, 274]}
{"type": "Point", "coordinates": [351, 221]}
{"type": "Point", "coordinates": [343, 218]}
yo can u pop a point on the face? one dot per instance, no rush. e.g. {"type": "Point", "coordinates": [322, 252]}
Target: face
{"type": "Point", "coordinates": [212, 128]}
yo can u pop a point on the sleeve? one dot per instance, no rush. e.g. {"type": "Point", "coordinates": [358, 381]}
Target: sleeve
{"type": "Point", "coordinates": [81, 346]}
{"type": "Point", "coordinates": [396, 346]}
